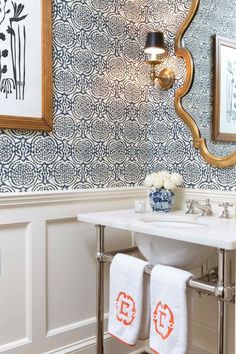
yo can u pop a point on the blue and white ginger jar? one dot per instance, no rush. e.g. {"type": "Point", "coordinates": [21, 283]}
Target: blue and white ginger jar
{"type": "Point", "coordinates": [161, 200]}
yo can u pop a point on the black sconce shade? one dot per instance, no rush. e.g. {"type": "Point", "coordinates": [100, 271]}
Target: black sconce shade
{"type": "Point", "coordinates": [155, 43]}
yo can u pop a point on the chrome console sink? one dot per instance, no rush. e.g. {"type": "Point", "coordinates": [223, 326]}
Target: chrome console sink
{"type": "Point", "coordinates": [173, 238]}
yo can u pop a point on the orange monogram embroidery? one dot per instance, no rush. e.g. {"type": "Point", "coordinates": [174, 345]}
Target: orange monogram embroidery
{"type": "Point", "coordinates": [125, 309]}
{"type": "Point", "coordinates": [163, 319]}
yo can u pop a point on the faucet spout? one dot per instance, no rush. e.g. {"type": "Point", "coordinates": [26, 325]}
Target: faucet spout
{"type": "Point", "coordinates": [205, 209]}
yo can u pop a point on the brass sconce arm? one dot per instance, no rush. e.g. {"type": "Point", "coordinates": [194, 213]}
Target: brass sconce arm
{"type": "Point", "coordinates": [166, 77]}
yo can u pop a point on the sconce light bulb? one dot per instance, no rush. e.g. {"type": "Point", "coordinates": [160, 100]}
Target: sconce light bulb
{"type": "Point", "coordinates": [154, 50]}
{"type": "Point", "coordinates": [153, 53]}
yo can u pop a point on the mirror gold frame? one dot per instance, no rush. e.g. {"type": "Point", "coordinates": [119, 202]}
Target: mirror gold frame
{"type": "Point", "coordinates": [198, 141]}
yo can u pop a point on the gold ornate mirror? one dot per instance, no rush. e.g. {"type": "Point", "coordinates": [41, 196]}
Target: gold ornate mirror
{"type": "Point", "coordinates": [194, 101]}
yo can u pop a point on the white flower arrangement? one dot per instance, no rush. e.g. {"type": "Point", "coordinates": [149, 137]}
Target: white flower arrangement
{"type": "Point", "coordinates": [163, 179]}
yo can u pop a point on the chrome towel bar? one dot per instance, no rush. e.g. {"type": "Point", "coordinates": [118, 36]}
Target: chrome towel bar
{"type": "Point", "coordinates": [201, 285]}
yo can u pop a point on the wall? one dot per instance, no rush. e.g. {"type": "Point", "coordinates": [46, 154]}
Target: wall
{"type": "Point", "coordinates": [47, 301]}
{"type": "Point", "coordinates": [110, 125]}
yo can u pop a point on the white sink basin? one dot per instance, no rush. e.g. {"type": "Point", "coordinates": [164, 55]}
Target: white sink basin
{"type": "Point", "coordinates": [172, 223]}
{"type": "Point", "coordinates": [180, 254]}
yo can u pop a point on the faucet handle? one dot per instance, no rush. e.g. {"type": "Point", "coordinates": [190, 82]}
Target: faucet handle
{"type": "Point", "coordinates": [208, 210]}
{"type": "Point", "coordinates": [207, 202]}
{"type": "Point", "coordinates": [190, 206]}
{"type": "Point", "coordinates": [225, 212]}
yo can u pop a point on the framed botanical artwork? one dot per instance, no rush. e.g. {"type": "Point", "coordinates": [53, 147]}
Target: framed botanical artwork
{"type": "Point", "coordinates": [224, 121]}
{"type": "Point", "coordinates": [26, 64]}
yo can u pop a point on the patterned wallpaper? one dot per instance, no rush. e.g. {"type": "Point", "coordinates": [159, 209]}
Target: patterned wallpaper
{"type": "Point", "coordinates": [110, 126]}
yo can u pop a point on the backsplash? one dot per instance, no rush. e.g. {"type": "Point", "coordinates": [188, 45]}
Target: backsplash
{"type": "Point", "coordinates": [110, 126]}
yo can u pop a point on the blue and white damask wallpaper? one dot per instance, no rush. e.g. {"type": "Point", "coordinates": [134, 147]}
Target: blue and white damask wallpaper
{"type": "Point", "coordinates": [110, 126]}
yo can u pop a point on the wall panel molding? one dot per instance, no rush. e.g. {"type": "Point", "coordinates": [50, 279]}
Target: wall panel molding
{"type": "Point", "coordinates": [16, 285]}
{"type": "Point", "coordinates": [38, 198]}
{"type": "Point", "coordinates": [11, 346]}
{"type": "Point", "coordinates": [90, 322]}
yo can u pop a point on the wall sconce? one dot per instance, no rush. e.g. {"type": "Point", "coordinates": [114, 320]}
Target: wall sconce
{"type": "Point", "coordinates": [156, 53]}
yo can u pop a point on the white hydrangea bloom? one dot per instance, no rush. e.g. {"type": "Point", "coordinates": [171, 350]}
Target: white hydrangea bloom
{"type": "Point", "coordinates": [158, 181]}
{"type": "Point", "coordinates": [169, 184]}
{"type": "Point", "coordinates": [176, 178]}
{"type": "Point", "coordinates": [148, 182]}
{"type": "Point", "coordinates": [162, 179]}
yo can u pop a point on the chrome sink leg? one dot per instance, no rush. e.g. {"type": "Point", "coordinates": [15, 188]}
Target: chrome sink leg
{"type": "Point", "coordinates": [224, 280]}
{"type": "Point", "coordinates": [100, 289]}
{"type": "Point", "coordinates": [222, 327]}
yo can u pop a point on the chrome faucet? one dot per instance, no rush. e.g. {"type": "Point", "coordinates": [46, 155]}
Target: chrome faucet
{"type": "Point", "coordinates": [206, 209]}
{"type": "Point", "coordinates": [225, 212]}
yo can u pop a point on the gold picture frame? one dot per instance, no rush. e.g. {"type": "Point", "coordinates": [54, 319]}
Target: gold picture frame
{"type": "Point", "coordinates": [185, 54]}
{"type": "Point", "coordinates": [224, 120]}
{"type": "Point", "coordinates": [20, 20]}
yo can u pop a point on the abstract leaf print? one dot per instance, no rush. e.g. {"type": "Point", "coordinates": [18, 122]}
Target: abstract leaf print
{"type": "Point", "coordinates": [13, 32]}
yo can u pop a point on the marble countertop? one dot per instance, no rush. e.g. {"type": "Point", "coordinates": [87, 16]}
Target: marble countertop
{"type": "Point", "coordinates": [209, 231]}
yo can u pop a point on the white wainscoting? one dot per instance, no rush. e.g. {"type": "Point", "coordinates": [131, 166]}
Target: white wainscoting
{"type": "Point", "coordinates": [47, 272]}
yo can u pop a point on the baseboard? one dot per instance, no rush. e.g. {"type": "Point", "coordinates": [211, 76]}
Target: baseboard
{"type": "Point", "coordinates": [110, 345]}
{"type": "Point", "coordinates": [113, 346]}
{"type": "Point", "coordinates": [201, 349]}
{"type": "Point", "coordinates": [197, 349]}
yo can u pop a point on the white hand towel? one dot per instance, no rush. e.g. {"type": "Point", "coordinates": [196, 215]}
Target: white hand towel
{"type": "Point", "coordinates": [170, 310]}
{"type": "Point", "coordinates": [128, 299]}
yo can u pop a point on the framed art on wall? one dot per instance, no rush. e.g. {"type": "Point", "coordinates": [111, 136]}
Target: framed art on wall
{"type": "Point", "coordinates": [26, 64]}
{"type": "Point", "coordinates": [224, 122]}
